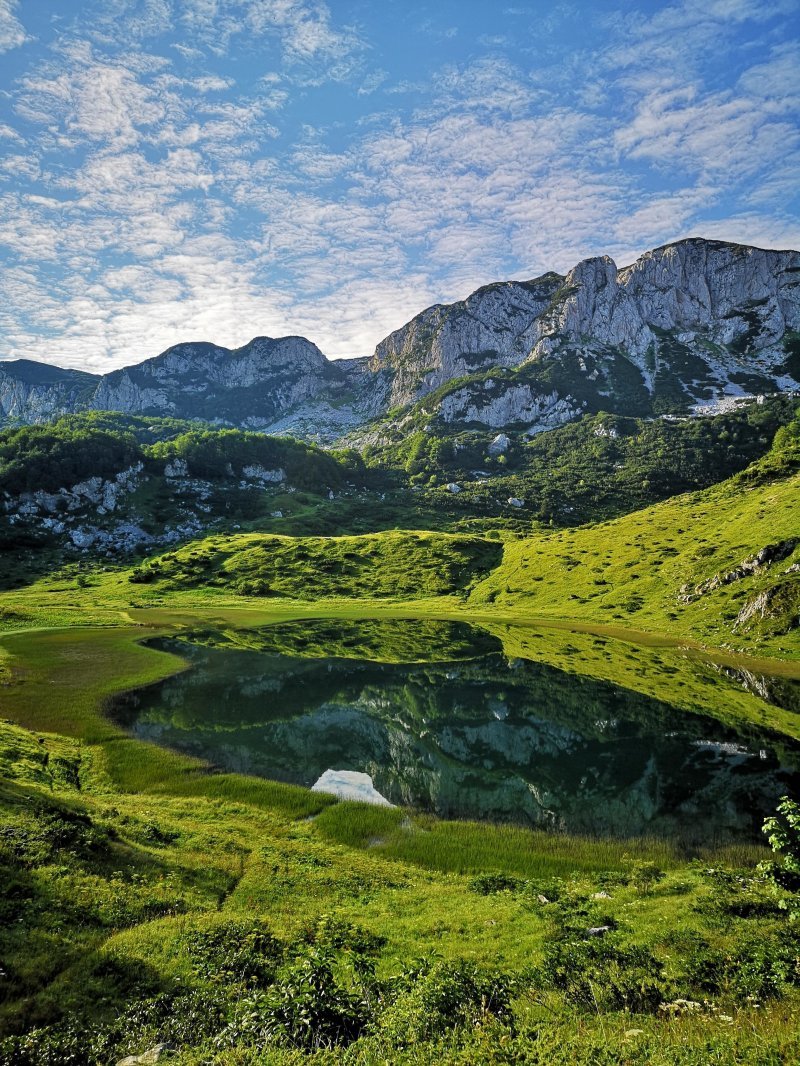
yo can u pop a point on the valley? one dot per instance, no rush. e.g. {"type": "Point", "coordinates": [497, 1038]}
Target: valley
{"type": "Point", "coordinates": [533, 568]}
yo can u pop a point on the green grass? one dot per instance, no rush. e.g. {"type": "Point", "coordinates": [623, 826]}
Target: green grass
{"type": "Point", "coordinates": [637, 571]}
{"type": "Point", "coordinates": [59, 682]}
{"type": "Point", "coordinates": [107, 913]}
{"type": "Point", "coordinates": [118, 858]}
{"type": "Point", "coordinates": [475, 847]}
{"type": "Point", "coordinates": [392, 565]}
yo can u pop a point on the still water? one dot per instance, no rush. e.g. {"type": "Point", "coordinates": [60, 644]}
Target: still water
{"type": "Point", "coordinates": [466, 723]}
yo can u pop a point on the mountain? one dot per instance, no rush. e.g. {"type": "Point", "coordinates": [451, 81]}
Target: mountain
{"type": "Point", "coordinates": [37, 392]}
{"type": "Point", "coordinates": [686, 325]}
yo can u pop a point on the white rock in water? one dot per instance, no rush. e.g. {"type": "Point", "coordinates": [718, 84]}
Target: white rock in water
{"type": "Point", "coordinates": [350, 785]}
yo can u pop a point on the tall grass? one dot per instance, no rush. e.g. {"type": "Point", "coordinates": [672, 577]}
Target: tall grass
{"type": "Point", "coordinates": [475, 847]}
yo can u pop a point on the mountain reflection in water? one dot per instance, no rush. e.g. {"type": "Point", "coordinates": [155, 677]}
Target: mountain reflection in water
{"type": "Point", "coordinates": [441, 719]}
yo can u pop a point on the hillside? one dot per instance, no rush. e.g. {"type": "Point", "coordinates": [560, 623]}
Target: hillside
{"type": "Point", "coordinates": [689, 324]}
{"type": "Point", "coordinates": [86, 485]}
{"type": "Point", "coordinates": [718, 566]}
{"type": "Point", "coordinates": [150, 897]}
{"type": "Point", "coordinates": [722, 565]}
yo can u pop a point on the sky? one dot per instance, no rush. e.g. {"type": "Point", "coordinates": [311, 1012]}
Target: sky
{"type": "Point", "coordinates": [181, 170]}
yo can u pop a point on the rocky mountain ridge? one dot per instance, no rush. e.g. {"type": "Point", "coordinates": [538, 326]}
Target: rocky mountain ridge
{"type": "Point", "coordinates": [684, 327]}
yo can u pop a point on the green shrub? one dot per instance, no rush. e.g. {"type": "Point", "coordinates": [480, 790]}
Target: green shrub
{"type": "Point", "coordinates": [307, 1007]}
{"type": "Point", "coordinates": [236, 952]}
{"type": "Point", "coordinates": [432, 998]}
{"type": "Point", "coordinates": [600, 975]}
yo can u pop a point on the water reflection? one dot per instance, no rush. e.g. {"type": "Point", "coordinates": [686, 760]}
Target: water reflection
{"type": "Point", "coordinates": [440, 716]}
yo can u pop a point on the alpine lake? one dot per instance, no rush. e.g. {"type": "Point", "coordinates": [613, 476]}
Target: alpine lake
{"type": "Point", "coordinates": [570, 731]}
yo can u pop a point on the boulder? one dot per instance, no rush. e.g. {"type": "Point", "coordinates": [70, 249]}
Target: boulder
{"type": "Point", "coordinates": [499, 445]}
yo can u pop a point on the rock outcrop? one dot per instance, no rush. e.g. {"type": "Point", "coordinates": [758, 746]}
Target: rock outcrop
{"type": "Point", "coordinates": [686, 327]}
{"type": "Point", "coordinates": [38, 392]}
{"type": "Point", "coordinates": [694, 321]}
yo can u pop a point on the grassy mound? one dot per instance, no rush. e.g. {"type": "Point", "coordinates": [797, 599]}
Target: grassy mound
{"type": "Point", "coordinates": [393, 565]}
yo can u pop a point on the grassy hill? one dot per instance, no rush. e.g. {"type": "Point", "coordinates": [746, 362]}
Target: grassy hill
{"type": "Point", "coordinates": [145, 897]}
{"type": "Point", "coordinates": [687, 565]}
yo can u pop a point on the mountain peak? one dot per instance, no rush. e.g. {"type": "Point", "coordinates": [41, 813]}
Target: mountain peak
{"type": "Point", "coordinates": [686, 324]}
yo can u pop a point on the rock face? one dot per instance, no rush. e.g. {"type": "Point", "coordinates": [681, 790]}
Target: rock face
{"type": "Point", "coordinates": [495, 326]}
{"type": "Point", "coordinates": [684, 328]}
{"type": "Point", "coordinates": [685, 325]}
{"type": "Point", "coordinates": [254, 387]}
{"type": "Point", "coordinates": [37, 392]}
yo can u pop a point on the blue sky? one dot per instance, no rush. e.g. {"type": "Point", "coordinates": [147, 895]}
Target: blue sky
{"type": "Point", "coordinates": [176, 170]}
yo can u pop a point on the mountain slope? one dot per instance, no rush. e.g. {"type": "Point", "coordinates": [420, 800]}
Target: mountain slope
{"type": "Point", "coordinates": [37, 392]}
{"type": "Point", "coordinates": [685, 325]}
{"type": "Point", "coordinates": [721, 565]}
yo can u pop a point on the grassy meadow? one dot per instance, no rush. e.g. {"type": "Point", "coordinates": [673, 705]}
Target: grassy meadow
{"type": "Point", "coordinates": [148, 898]}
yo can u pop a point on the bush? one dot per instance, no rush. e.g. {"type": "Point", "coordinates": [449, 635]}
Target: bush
{"type": "Point", "coordinates": [236, 952]}
{"type": "Point", "coordinates": [758, 969]}
{"type": "Point", "coordinates": [489, 884]}
{"type": "Point", "coordinates": [598, 975]}
{"type": "Point", "coordinates": [306, 1007]}
{"type": "Point", "coordinates": [783, 833]}
{"type": "Point", "coordinates": [435, 997]}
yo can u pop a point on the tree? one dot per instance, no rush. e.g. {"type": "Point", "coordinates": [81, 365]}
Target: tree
{"type": "Point", "coordinates": [783, 833]}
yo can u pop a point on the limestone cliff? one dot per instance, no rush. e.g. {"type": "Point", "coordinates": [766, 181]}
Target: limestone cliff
{"type": "Point", "coordinates": [686, 327]}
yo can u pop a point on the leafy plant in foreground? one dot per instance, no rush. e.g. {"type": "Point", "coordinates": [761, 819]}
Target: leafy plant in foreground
{"type": "Point", "coordinates": [783, 833]}
{"type": "Point", "coordinates": [600, 975]}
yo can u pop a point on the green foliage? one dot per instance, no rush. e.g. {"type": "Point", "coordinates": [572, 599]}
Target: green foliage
{"type": "Point", "coordinates": [432, 997]}
{"type": "Point", "coordinates": [307, 1007]}
{"type": "Point", "coordinates": [757, 967]}
{"type": "Point", "coordinates": [60, 454]}
{"type": "Point", "coordinates": [600, 974]}
{"type": "Point", "coordinates": [242, 952]}
{"type": "Point", "coordinates": [783, 834]}
{"type": "Point", "coordinates": [597, 467]}
{"type": "Point", "coordinates": [643, 875]}
{"type": "Point", "coordinates": [215, 454]}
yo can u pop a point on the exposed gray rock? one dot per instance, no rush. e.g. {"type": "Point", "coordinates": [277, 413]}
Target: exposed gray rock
{"type": "Point", "coordinates": [754, 564]}
{"type": "Point", "coordinates": [494, 404]}
{"type": "Point", "coordinates": [147, 1058]}
{"type": "Point", "coordinates": [704, 321]}
{"type": "Point", "coordinates": [500, 445]}
{"type": "Point", "coordinates": [256, 472]}
{"type": "Point", "coordinates": [495, 326]}
{"type": "Point", "coordinates": [708, 316]}
{"type": "Point", "coordinates": [176, 468]}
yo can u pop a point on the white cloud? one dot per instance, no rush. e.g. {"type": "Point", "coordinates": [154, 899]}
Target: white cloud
{"type": "Point", "coordinates": [12, 32]}
{"type": "Point", "coordinates": [92, 99]}
{"type": "Point", "coordinates": [734, 134]}
{"type": "Point", "coordinates": [146, 201]}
